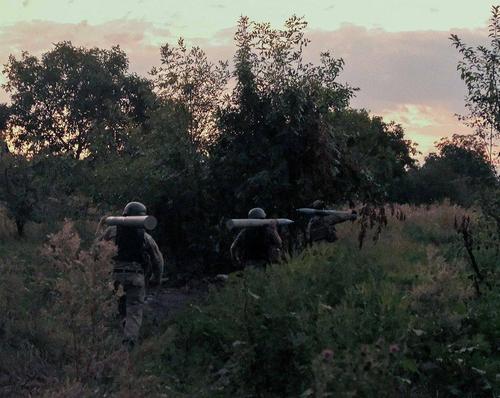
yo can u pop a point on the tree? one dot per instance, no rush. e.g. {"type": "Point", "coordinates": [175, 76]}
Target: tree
{"type": "Point", "coordinates": [459, 171]}
{"type": "Point", "coordinates": [4, 116]}
{"type": "Point", "coordinates": [187, 77]}
{"type": "Point", "coordinates": [4, 119]}
{"type": "Point", "coordinates": [374, 156]}
{"type": "Point", "coordinates": [170, 175]}
{"type": "Point", "coordinates": [479, 69]}
{"type": "Point", "coordinates": [18, 190]}
{"type": "Point", "coordinates": [287, 135]}
{"type": "Point", "coordinates": [275, 147]}
{"type": "Point", "coordinates": [74, 101]}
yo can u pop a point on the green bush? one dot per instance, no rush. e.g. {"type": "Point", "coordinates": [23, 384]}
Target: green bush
{"type": "Point", "coordinates": [396, 318]}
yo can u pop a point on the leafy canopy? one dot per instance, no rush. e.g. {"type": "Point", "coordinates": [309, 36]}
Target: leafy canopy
{"type": "Point", "coordinates": [74, 101]}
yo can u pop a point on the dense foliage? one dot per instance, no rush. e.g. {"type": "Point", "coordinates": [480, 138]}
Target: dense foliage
{"type": "Point", "coordinates": [74, 101]}
{"type": "Point", "coordinates": [279, 134]}
{"type": "Point", "coordinates": [459, 171]}
{"type": "Point", "coordinates": [207, 143]}
{"type": "Point", "coordinates": [398, 318]}
{"type": "Point", "coordinates": [479, 69]}
{"type": "Point", "coordinates": [412, 314]}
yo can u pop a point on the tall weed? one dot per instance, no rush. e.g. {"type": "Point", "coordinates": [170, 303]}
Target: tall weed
{"type": "Point", "coordinates": [393, 319]}
{"type": "Point", "coordinates": [59, 316]}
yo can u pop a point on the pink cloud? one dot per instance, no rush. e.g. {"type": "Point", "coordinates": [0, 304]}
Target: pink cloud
{"type": "Point", "coordinates": [408, 77]}
{"type": "Point", "coordinates": [425, 124]}
{"type": "Point", "coordinates": [134, 37]}
{"type": "Point", "coordinates": [397, 67]}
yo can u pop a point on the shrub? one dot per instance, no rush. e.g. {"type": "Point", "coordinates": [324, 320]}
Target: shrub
{"type": "Point", "coordinates": [395, 318]}
{"type": "Point", "coordinates": [58, 324]}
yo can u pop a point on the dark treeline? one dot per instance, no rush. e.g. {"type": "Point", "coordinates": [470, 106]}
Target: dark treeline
{"type": "Point", "coordinates": [200, 141]}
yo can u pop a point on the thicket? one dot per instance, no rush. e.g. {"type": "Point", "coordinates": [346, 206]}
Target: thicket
{"type": "Point", "coordinates": [59, 335]}
{"type": "Point", "coordinates": [197, 142]}
{"type": "Point", "coordinates": [401, 317]}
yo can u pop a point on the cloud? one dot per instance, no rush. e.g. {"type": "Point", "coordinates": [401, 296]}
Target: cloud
{"type": "Point", "coordinates": [402, 67]}
{"type": "Point", "coordinates": [409, 77]}
{"type": "Point", "coordinates": [134, 37]}
{"type": "Point", "coordinates": [425, 124]}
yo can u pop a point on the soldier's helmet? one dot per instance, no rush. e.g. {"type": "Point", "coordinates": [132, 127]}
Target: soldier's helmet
{"type": "Point", "coordinates": [318, 205]}
{"type": "Point", "coordinates": [134, 209]}
{"type": "Point", "coordinates": [257, 212]}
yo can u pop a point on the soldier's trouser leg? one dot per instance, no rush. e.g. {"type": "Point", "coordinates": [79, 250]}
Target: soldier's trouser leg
{"type": "Point", "coordinates": [122, 306]}
{"type": "Point", "coordinates": [135, 293]}
{"type": "Point", "coordinates": [122, 310]}
{"type": "Point", "coordinates": [134, 288]}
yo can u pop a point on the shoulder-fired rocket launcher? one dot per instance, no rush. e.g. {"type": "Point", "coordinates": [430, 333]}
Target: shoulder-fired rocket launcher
{"type": "Point", "coordinates": [255, 222]}
{"type": "Point", "coordinates": [147, 222]}
{"type": "Point", "coordinates": [333, 216]}
{"type": "Point", "coordinates": [323, 212]}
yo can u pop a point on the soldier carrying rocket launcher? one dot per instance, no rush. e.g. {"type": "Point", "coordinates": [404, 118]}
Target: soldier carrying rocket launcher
{"type": "Point", "coordinates": [321, 226]}
{"type": "Point", "coordinates": [137, 263]}
{"type": "Point", "coordinates": [258, 243]}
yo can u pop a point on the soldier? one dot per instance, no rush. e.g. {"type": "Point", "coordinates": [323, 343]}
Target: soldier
{"type": "Point", "coordinates": [137, 262]}
{"type": "Point", "coordinates": [322, 228]}
{"type": "Point", "coordinates": [257, 246]}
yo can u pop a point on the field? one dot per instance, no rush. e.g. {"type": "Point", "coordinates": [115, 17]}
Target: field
{"type": "Point", "coordinates": [399, 318]}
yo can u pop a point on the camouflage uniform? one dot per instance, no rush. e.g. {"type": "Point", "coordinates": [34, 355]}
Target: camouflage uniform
{"type": "Point", "coordinates": [133, 277]}
{"type": "Point", "coordinates": [322, 228]}
{"type": "Point", "coordinates": [257, 247]}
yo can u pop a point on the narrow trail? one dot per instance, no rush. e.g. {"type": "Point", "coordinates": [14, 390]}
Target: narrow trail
{"type": "Point", "coordinates": [165, 302]}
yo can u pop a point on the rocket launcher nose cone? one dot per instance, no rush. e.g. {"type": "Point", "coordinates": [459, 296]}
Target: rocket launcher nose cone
{"type": "Point", "coordinates": [150, 222]}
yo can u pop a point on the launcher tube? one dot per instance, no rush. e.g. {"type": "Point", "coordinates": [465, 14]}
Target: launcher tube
{"type": "Point", "coordinates": [147, 222]}
{"type": "Point", "coordinates": [253, 222]}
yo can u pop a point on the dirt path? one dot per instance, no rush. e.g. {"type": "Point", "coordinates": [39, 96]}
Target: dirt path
{"type": "Point", "coordinates": [165, 302]}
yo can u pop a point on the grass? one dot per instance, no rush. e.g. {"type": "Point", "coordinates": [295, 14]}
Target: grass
{"type": "Point", "coordinates": [398, 318]}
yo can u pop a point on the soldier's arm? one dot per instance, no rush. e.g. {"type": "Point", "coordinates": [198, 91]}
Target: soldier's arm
{"type": "Point", "coordinates": [276, 243]}
{"type": "Point", "coordinates": [274, 236]}
{"type": "Point", "coordinates": [157, 262]}
{"type": "Point", "coordinates": [108, 235]}
{"type": "Point", "coordinates": [308, 229]}
{"type": "Point", "coordinates": [234, 250]}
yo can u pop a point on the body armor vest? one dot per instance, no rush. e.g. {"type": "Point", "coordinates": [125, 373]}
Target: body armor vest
{"type": "Point", "coordinates": [256, 244]}
{"type": "Point", "coordinates": [130, 243]}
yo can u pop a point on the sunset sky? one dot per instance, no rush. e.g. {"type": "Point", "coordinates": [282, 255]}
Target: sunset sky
{"type": "Point", "coordinates": [396, 51]}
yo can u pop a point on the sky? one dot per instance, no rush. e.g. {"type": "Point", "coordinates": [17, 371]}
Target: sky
{"type": "Point", "coordinates": [397, 52]}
